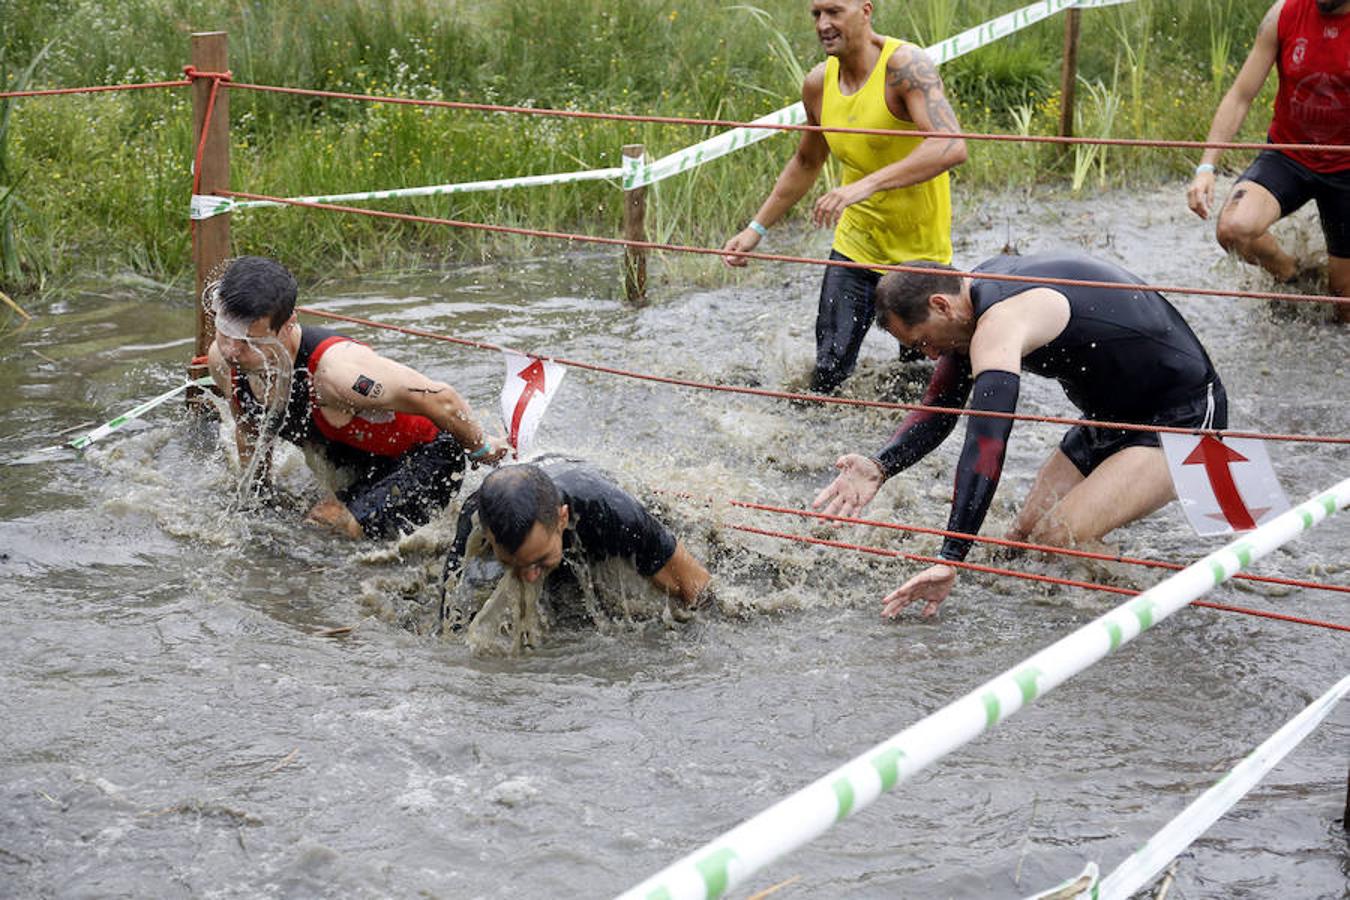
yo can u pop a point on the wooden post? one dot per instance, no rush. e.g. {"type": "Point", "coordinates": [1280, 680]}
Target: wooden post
{"type": "Point", "coordinates": [635, 229]}
{"type": "Point", "coordinates": [210, 237]}
{"type": "Point", "coordinates": [1068, 77]}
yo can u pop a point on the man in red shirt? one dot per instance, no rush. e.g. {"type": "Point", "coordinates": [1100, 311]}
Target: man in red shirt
{"type": "Point", "coordinates": [392, 441]}
{"type": "Point", "coordinates": [1309, 43]}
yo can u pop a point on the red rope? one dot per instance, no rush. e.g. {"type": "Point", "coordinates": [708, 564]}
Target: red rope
{"type": "Point", "coordinates": [819, 398]}
{"type": "Point", "coordinates": [1024, 545]}
{"type": "Point", "coordinates": [1030, 576]}
{"type": "Point", "coordinates": [216, 79]}
{"type": "Point", "coordinates": [769, 257]}
{"type": "Point", "coordinates": [684, 120]}
{"type": "Point", "coordinates": [95, 89]}
{"type": "Point", "coordinates": [193, 72]}
{"type": "Point", "coordinates": [730, 123]}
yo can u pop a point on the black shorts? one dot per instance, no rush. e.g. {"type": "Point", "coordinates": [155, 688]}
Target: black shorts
{"type": "Point", "coordinates": [1294, 184]}
{"type": "Point", "coordinates": [394, 495]}
{"type": "Point", "coordinates": [1087, 446]}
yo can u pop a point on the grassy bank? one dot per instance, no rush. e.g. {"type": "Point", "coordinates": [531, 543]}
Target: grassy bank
{"type": "Point", "coordinates": [102, 181]}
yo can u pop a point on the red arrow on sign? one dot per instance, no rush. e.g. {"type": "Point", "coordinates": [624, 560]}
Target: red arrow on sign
{"type": "Point", "coordinates": [1215, 456]}
{"type": "Point", "coordinates": [533, 376]}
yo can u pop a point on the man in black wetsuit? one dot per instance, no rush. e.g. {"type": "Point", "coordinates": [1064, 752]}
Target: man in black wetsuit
{"type": "Point", "coordinates": [1121, 355]}
{"type": "Point", "coordinates": [542, 520]}
{"type": "Point", "coordinates": [396, 440]}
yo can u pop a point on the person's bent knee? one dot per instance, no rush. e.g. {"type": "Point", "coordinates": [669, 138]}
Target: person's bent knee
{"type": "Point", "coordinates": [1233, 233]}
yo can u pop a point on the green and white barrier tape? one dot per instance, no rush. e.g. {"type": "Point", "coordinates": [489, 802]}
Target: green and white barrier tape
{"type": "Point", "coordinates": [135, 412]}
{"type": "Point", "coordinates": [1149, 860]}
{"type": "Point", "coordinates": [638, 174]}
{"type": "Point", "coordinates": [986, 33]}
{"type": "Point", "coordinates": [635, 173]}
{"type": "Point", "coordinates": [728, 860]}
{"type": "Point", "coordinates": [204, 206]}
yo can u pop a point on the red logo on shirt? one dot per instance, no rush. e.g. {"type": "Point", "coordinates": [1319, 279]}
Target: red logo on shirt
{"type": "Point", "coordinates": [1300, 50]}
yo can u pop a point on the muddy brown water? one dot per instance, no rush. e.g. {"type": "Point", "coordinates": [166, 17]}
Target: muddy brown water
{"type": "Point", "coordinates": [180, 719]}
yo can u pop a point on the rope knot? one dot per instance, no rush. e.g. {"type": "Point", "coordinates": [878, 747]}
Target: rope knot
{"type": "Point", "coordinates": [193, 73]}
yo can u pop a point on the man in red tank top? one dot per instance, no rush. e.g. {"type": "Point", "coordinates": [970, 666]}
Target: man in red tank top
{"type": "Point", "coordinates": [395, 439]}
{"type": "Point", "coordinates": [1308, 41]}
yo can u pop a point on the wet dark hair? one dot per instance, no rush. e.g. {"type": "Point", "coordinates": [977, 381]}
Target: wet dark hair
{"type": "Point", "coordinates": [254, 286]}
{"type": "Point", "coordinates": [512, 499]}
{"type": "Point", "coordinates": [905, 294]}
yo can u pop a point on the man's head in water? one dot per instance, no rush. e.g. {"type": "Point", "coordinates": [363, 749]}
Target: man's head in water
{"type": "Point", "coordinates": [525, 518]}
{"type": "Point", "coordinates": [253, 301]}
{"type": "Point", "coordinates": [926, 310]}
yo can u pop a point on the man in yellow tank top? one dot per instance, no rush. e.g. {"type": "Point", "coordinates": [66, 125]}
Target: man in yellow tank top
{"type": "Point", "coordinates": [895, 202]}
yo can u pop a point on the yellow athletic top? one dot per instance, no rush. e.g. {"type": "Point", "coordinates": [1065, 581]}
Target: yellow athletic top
{"type": "Point", "coordinates": [892, 226]}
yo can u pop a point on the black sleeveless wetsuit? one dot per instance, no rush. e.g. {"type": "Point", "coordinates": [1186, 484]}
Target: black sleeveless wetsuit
{"type": "Point", "coordinates": [1125, 355]}
{"type": "Point", "coordinates": [386, 494]}
{"type": "Point", "coordinates": [605, 521]}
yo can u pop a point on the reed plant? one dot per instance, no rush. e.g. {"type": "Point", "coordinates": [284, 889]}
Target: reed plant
{"type": "Point", "coordinates": [110, 173]}
{"type": "Point", "coordinates": [1134, 32]}
{"type": "Point", "coordinates": [1220, 47]}
{"type": "Point", "coordinates": [11, 266]}
{"type": "Point", "coordinates": [1096, 118]}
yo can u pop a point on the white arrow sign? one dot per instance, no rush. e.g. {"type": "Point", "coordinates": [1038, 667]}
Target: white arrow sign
{"type": "Point", "coordinates": [530, 385]}
{"type": "Point", "coordinates": [1224, 485]}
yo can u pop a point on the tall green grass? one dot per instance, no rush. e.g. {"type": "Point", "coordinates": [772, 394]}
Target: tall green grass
{"type": "Point", "coordinates": [109, 174]}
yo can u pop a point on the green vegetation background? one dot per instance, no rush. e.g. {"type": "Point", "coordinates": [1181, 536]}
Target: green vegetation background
{"type": "Point", "coordinates": [98, 183]}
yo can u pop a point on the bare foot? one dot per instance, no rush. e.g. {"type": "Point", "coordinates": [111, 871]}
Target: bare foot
{"type": "Point", "coordinates": [332, 515]}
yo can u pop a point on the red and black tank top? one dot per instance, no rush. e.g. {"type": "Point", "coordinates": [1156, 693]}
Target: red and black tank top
{"type": "Point", "coordinates": [1313, 102]}
{"type": "Point", "coordinates": [375, 433]}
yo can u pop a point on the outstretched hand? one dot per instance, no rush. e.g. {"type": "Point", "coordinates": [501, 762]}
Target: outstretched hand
{"type": "Point", "coordinates": [858, 481]}
{"type": "Point", "coordinates": [931, 586]}
{"type": "Point", "coordinates": [743, 241]}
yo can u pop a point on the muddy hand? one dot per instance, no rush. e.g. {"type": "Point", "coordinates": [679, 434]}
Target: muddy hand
{"type": "Point", "coordinates": [497, 447]}
{"type": "Point", "coordinates": [858, 481]}
{"type": "Point", "coordinates": [931, 587]}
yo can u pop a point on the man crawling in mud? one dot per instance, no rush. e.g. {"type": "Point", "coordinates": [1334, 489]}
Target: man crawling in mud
{"type": "Point", "coordinates": [1122, 355]}
{"type": "Point", "coordinates": [552, 527]}
{"type": "Point", "coordinates": [393, 440]}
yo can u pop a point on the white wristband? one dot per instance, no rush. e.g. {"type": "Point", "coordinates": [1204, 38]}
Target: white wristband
{"type": "Point", "coordinates": [757, 228]}
{"type": "Point", "coordinates": [1203, 168]}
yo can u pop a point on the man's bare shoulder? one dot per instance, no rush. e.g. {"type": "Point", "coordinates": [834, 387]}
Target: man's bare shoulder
{"type": "Point", "coordinates": [815, 79]}
{"type": "Point", "coordinates": [340, 361]}
{"type": "Point", "coordinates": [1271, 20]}
{"type": "Point", "coordinates": [813, 90]}
{"type": "Point", "coordinates": [910, 67]}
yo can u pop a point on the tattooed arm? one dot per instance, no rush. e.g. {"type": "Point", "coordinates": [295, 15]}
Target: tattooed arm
{"type": "Point", "coordinates": [352, 378]}
{"type": "Point", "coordinates": [913, 93]}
